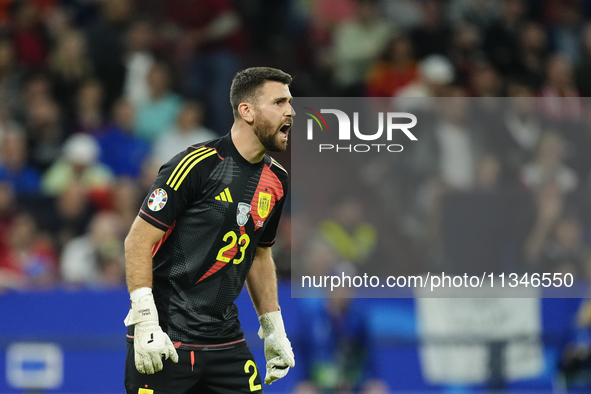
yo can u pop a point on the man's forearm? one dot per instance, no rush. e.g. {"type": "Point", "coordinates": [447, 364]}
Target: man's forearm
{"type": "Point", "coordinates": [138, 266]}
{"type": "Point", "coordinates": [138, 254]}
{"type": "Point", "coordinates": [262, 282]}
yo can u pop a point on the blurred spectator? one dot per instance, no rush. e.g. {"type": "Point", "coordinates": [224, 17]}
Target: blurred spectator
{"type": "Point", "coordinates": [283, 247]}
{"type": "Point", "coordinates": [501, 38]}
{"type": "Point", "coordinates": [337, 340]}
{"type": "Point", "coordinates": [149, 171]}
{"type": "Point", "coordinates": [480, 13]}
{"type": "Point", "coordinates": [138, 61]}
{"type": "Point", "coordinates": [7, 124]}
{"type": "Point", "coordinates": [456, 146]}
{"type": "Point", "coordinates": [158, 113]}
{"type": "Point", "coordinates": [405, 14]}
{"type": "Point", "coordinates": [77, 165]}
{"type": "Point", "coordinates": [92, 259]}
{"type": "Point", "coordinates": [565, 34]}
{"type": "Point", "coordinates": [10, 76]}
{"type": "Point", "coordinates": [326, 16]}
{"type": "Point", "coordinates": [484, 81]}
{"type": "Point", "coordinates": [69, 67]}
{"type": "Point", "coordinates": [465, 245]}
{"type": "Point", "coordinates": [105, 45]}
{"type": "Point", "coordinates": [549, 204]}
{"type": "Point", "coordinates": [58, 21]}
{"type": "Point", "coordinates": [465, 50]}
{"type": "Point", "coordinates": [273, 24]}
{"type": "Point", "coordinates": [358, 42]}
{"type": "Point", "coordinates": [71, 215]}
{"type": "Point", "coordinates": [121, 150]}
{"type": "Point", "coordinates": [84, 13]}
{"type": "Point", "coordinates": [30, 261]}
{"type": "Point", "coordinates": [29, 37]}
{"type": "Point", "coordinates": [37, 87]}
{"type": "Point", "coordinates": [209, 51]}
{"type": "Point", "coordinates": [7, 215]}
{"type": "Point", "coordinates": [375, 386]}
{"type": "Point", "coordinates": [15, 170]}
{"type": "Point", "coordinates": [188, 130]}
{"type": "Point", "coordinates": [548, 166]}
{"type": "Point", "coordinates": [127, 199]}
{"type": "Point", "coordinates": [556, 242]}
{"type": "Point", "coordinates": [559, 96]}
{"type": "Point", "coordinates": [5, 14]}
{"type": "Point", "coordinates": [88, 115]}
{"type": "Point", "coordinates": [532, 55]}
{"type": "Point", "coordinates": [353, 238]}
{"type": "Point", "coordinates": [305, 387]}
{"type": "Point", "coordinates": [45, 132]}
{"type": "Point", "coordinates": [446, 162]}
{"type": "Point", "coordinates": [488, 174]}
{"type": "Point", "coordinates": [433, 35]}
{"type": "Point", "coordinates": [318, 258]}
{"type": "Point", "coordinates": [515, 136]}
{"type": "Point", "coordinates": [575, 361]}
{"type": "Point", "coordinates": [566, 251]}
{"type": "Point", "coordinates": [111, 264]}
{"type": "Point", "coordinates": [583, 70]}
{"type": "Point", "coordinates": [436, 74]}
{"type": "Point", "coordinates": [394, 71]}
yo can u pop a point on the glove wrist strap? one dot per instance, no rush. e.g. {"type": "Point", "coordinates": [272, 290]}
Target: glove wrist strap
{"type": "Point", "coordinates": [143, 309]}
{"type": "Point", "coordinates": [139, 293]}
{"type": "Point", "coordinates": [271, 323]}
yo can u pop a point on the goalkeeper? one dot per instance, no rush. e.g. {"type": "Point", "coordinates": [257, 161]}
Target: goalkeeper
{"type": "Point", "coordinates": [205, 228]}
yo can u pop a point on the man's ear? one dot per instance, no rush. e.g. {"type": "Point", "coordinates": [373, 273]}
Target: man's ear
{"type": "Point", "coordinates": [246, 112]}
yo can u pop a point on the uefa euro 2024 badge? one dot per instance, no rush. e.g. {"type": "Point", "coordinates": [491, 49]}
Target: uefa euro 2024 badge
{"type": "Point", "coordinates": [157, 200]}
{"type": "Point", "coordinates": [242, 213]}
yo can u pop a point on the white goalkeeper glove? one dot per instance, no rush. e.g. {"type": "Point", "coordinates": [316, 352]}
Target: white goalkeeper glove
{"type": "Point", "coordinates": [149, 341]}
{"type": "Point", "coordinates": [278, 350]}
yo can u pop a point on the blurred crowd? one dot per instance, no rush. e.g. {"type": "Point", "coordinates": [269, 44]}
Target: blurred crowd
{"type": "Point", "coordinates": [491, 185]}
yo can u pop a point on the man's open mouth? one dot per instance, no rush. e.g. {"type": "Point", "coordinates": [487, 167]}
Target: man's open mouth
{"type": "Point", "coordinates": [284, 130]}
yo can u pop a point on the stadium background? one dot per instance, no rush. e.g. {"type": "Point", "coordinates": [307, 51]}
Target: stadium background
{"type": "Point", "coordinates": [95, 94]}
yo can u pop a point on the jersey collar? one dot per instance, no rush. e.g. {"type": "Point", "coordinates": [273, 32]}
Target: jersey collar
{"type": "Point", "coordinates": [249, 168]}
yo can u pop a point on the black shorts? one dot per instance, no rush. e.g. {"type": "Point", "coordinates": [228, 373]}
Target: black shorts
{"type": "Point", "coordinates": [221, 370]}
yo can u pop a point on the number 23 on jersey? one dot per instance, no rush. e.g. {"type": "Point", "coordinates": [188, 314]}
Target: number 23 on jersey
{"type": "Point", "coordinates": [232, 238]}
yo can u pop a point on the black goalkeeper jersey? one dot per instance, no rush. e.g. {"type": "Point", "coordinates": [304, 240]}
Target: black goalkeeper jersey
{"type": "Point", "coordinates": [216, 208]}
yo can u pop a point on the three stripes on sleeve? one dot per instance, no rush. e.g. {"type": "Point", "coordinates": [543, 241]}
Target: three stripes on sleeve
{"type": "Point", "coordinates": [186, 165]}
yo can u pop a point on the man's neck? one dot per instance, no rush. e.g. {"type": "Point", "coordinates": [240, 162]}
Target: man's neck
{"type": "Point", "coordinates": [247, 143]}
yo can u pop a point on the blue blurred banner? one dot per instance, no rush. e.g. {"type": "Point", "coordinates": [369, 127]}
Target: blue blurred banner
{"type": "Point", "coordinates": [87, 327]}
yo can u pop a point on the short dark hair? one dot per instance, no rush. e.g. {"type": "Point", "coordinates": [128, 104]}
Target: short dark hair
{"type": "Point", "coordinates": [246, 84]}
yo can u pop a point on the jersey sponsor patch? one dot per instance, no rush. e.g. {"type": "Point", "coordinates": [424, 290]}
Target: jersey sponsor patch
{"type": "Point", "coordinates": [157, 200]}
{"type": "Point", "coordinates": [242, 213]}
{"type": "Point", "coordinates": [264, 204]}
{"type": "Point", "coordinates": [145, 391]}
{"type": "Point", "coordinates": [268, 192]}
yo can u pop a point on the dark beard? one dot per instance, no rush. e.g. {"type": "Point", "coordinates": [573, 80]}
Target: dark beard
{"type": "Point", "coordinates": [265, 132]}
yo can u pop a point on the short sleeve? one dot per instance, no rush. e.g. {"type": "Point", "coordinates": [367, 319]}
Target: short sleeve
{"type": "Point", "coordinates": [174, 188]}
